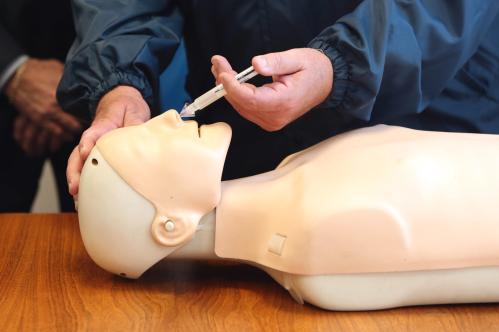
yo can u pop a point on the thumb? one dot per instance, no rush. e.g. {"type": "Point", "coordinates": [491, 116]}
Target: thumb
{"type": "Point", "coordinates": [280, 63]}
{"type": "Point", "coordinates": [133, 119]}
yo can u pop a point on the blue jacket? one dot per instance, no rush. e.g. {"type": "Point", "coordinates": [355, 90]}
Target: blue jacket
{"type": "Point", "coordinates": [431, 64]}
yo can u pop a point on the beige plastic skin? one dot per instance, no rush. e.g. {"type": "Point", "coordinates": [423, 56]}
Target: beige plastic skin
{"type": "Point", "coordinates": [380, 199]}
{"type": "Point", "coordinates": [116, 220]}
{"type": "Point", "coordinates": [125, 230]}
{"type": "Point", "coordinates": [175, 165]}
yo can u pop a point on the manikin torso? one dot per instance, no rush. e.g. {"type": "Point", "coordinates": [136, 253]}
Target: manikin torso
{"type": "Point", "coordinates": [375, 218]}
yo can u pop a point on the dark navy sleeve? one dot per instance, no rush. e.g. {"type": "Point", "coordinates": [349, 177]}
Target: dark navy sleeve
{"type": "Point", "coordinates": [118, 42]}
{"type": "Point", "coordinates": [399, 54]}
{"type": "Point", "coordinates": [10, 49]}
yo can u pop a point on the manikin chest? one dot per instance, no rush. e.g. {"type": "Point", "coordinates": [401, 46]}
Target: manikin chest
{"type": "Point", "coordinates": [387, 200]}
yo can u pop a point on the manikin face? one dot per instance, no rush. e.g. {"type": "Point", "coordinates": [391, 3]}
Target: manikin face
{"type": "Point", "coordinates": [144, 189]}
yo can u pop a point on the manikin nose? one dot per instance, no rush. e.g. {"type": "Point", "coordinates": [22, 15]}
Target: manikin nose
{"type": "Point", "coordinates": [174, 117]}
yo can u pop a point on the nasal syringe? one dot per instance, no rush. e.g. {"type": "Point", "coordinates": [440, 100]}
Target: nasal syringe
{"type": "Point", "coordinates": [189, 110]}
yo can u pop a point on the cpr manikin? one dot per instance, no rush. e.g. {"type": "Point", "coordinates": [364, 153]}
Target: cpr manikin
{"type": "Point", "coordinates": [375, 218]}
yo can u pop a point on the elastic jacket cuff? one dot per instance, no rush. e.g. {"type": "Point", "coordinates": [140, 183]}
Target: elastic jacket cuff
{"type": "Point", "coordinates": [121, 78]}
{"type": "Point", "coordinates": [341, 74]}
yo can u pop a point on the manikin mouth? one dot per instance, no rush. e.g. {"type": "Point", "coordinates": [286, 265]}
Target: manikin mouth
{"type": "Point", "coordinates": [192, 123]}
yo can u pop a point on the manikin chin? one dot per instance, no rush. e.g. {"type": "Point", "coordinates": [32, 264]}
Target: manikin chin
{"type": "Point", "coordinates": [375, 218]}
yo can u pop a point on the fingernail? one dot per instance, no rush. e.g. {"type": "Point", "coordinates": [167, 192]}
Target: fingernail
{"type": "Point", "coordinates": [262, 62]}
{"type": "Point", "coordinates": [215, 59]}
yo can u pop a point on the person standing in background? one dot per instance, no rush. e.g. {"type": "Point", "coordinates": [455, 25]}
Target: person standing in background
{"type": "Point", "coordinates": [34, 39]}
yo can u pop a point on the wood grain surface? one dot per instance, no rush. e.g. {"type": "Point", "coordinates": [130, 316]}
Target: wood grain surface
{"type": "Point", "coordinates": [48, 283]}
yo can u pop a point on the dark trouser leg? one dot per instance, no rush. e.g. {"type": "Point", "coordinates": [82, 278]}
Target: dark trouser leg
{"type": "Point", "coordinates": [59, 162]}
{"type": "Point", "coordinates": [19, 173]}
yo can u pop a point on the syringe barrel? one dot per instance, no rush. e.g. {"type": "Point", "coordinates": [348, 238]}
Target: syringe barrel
{"type": "Point", "coordinates": [210, 97]}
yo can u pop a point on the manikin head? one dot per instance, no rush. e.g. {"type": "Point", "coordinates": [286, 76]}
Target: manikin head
{"type": "Point", "coordinates": [144, 189]}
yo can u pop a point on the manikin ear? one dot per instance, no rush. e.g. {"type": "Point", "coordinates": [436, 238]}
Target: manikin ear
{"type": "Point", "coordinates": [181, 192]}
{"type": "Point", "coordinates": [173, 231]}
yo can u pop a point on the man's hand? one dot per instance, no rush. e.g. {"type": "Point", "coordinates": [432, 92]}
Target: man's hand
{"type": "Point", "coordinates": [32, 92]}
{"type": "Point", "coordinates": [36, 140]}
{"type": "Point", "coordinates": [30, 137]}
{"type": "Point", "coordinates": [302, 79]}
{"type": "Point", "coordinates": [121, 107]}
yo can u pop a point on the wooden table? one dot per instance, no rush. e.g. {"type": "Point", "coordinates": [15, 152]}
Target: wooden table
{"type": "Point", "coordinates": [48, 283]}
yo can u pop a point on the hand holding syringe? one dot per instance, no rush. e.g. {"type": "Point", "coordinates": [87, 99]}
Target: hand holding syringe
{"type": "Point", "coordinates": [189, 110]}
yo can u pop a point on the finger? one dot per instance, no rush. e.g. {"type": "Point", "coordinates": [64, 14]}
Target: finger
{"type": "Point", "coordinates": [28, 140]}
{"type": "Point", "coordinates": [280, 63]}
{"type": "Point", "coordinates": [92, 134]}
{"type": "Point", "coordinates": [73, 171]}
{"type": "Point", "coordinates": [52, 126]}
{"type": "Point", "coordinates": [19, 124]}
{"type": "Point", "coordinates": [75, 200]}
{"type": "Point", "coordinates": [247, 97]}
{"type": "Point", "coordinates": [133, 119]}
{"type": "Point", "coordinates": [269, 106]}
{"type": "Point", "coordinates": [123, 106]}
{"type": "Point", "coordinates": [55, 128]}
{"type": "Point", "coordinates": [40, 141]}
{"type": "Point", "coordinates": [67, 121]}
{"type": "Point", "coordinates": [221, 65]}
{"type": "Point", "coordinates": [55, 143]}
{"type": "Point", "coordinates": [236, 90]}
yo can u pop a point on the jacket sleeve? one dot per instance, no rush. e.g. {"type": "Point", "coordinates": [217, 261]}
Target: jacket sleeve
{"type": "Point", "coordinates": [10, 51]}
{"type": "Point", "coordinates": [399, 54]}
{"type": "Point", "coordinates": [118, 42]}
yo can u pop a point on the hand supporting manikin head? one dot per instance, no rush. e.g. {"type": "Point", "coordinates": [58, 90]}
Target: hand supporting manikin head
{"type": "Point", "coordinates": [175, 171]}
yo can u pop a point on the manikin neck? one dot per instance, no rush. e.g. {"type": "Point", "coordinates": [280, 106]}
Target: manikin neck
{"type": "Point", "coordinates": [202, 246]}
